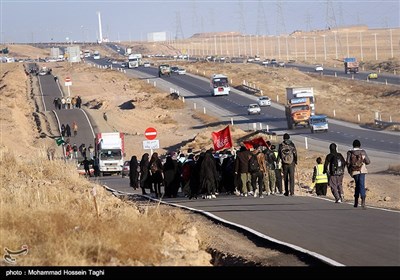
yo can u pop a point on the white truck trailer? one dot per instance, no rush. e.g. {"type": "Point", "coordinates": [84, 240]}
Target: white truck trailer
{"type": "Point", "coordinates": [134, 60]}
{"type": "Point", "coordinates": [110, 151]}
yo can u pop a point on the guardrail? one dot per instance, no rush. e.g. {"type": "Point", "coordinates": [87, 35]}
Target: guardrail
{"type": "Point", "coordinates": [384, 124]}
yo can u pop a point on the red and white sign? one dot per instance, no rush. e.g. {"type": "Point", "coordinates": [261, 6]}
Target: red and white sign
{"type": "Point", "coordinates": [150, 133]}
{"type": "Point", "coordinates": [68, 81]}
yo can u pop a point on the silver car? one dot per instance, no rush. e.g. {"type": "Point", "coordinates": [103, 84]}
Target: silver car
{"type": "Point", "coordinates": [125, 168]}
{"type": "Point", "coordinates": [253, 109]}
{"type": "Point", "coordinates": [264, 101]}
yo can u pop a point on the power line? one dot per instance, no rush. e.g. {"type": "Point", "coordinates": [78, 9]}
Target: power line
{"type": "Point", "coordinates": [262, 24]}
{"type": "Point", "coordinates": [280, 21]}
{"type": "Point", "coordinates": [308, 22]}
{"type": "Point", "coordinates": [179, 31]}
{"type": "Point", "coordinates": [242, 22]}
{"type": "Point", "coordinates": [195, 18]}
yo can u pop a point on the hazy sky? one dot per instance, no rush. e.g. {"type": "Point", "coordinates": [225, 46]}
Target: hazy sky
{"type": "Point", "coordinates": [46, 21]}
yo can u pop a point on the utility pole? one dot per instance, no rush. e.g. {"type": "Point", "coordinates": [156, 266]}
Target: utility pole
{"type": "Point", "coordinates": [332, 24]}
{"type": "Point", "coordinates": [280, 24]}
{"type": "Point", "coordinates": [195, 19]}
{"type": "Point", "coordinates": [179, 31]}
{"type": "Point", "coordinates": [242, 21]}
{"type": "Point", "coordinates": [262, 24]}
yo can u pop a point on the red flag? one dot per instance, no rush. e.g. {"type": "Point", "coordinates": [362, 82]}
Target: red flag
{"type": "Point", "coordinates": [222, 139]}
{"type": "Point", "coordinates": [256, 141]}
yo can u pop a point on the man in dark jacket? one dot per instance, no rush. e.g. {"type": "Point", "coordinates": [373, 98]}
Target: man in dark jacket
{"type": "Point", "coordinates": [287, 153]}
{"type": "Point", "coordinates": [358, 172]}
{"type": "Point", "coordinates": [334, 167]}
{"type": "Point", "coordinates": [242, 168]}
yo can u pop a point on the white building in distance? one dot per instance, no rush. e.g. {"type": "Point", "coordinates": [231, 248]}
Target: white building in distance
{"type": "Point", "coordinates": [157, 36]}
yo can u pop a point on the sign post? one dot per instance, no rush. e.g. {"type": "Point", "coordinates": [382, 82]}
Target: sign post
{"type": "Point", "coordinates": [151, 133]}
{"type": "Point", "coordinates": [68, 83]}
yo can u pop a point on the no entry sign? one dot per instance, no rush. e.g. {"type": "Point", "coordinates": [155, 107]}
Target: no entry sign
{"type": "Point", "coordinates": [150, 133]}
{"type": "Point", "coordinates": [68, 82]}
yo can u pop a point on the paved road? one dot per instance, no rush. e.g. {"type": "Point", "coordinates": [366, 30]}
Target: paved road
{"type": "Point", "coordinates": [196, 90]}
{"type": "Point", "coordinates": [50, 89]}
{"type": "Point", "coordinates": [383, 147]}
{"type": "Point", "coordinates": [338, 234]}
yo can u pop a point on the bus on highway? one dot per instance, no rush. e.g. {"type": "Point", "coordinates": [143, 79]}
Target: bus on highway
{"type": "Point", "coordinates": [219, 85]}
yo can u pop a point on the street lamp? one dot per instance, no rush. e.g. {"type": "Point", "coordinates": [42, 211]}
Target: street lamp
{"type": "Point", "coordinates": [279, 47]}
{"type": "Point", "coordinates": [334, 32]}
{"type": "Point", "coordinates": [376, 48]}
{"type": "Point", "coordinates": [215, 44]}
{"type": "Point", "coordinates": [315, 50]}
{"type": "Point", "coordinates": [324, 46]}
{"type": "Point", "coordinates": [305, 48]}
{"type": "Point", "coordinates": [361, 48]}
{"type": "Point", "coordinates": [251, 46]}
{"type": "Point", "coordinates": [220, 44]}
{"type": "Point", "coordinates": [257, 45]}
{"type": "Point", "coordinates": [391, 43]}
{"type": "Point", "coordinates": [295, 46]}
{"type": "Point", "coordinates": [287, 48]}
{"type": "Point", "coordinates": [264, 39]}
{"type": "Point", "coordinates": [238, 39]}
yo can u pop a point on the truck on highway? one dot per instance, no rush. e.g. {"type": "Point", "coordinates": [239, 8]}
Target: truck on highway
{"type": "Point", "coordinates": [110, 151]}
{"type": "Point", "coordinates": [351, 65]}
{"type": "Point", "coordinates": [134, 60]}
{"type": "Point", "coordinates": [299, 106]}
{"type": "Point", "coordinates": [164, 69]}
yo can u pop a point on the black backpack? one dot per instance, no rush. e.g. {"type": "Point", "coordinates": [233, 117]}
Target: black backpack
{"type": "Point", "coordinates": [337, 165]}
{"type": "Point", "coordinates": [253, 164]}
{"type": "Point", "coordinates": [271, 159]}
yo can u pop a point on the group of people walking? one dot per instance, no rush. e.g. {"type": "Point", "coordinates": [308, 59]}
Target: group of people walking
{"type": "Point", "coordinates": [66, 129]}
{"type": "Point", "coordinates": [254, 172]}
{"type": "Point", "coordinates": [331, 172]}
{"type": "Point", "coordinates": [67, 102]}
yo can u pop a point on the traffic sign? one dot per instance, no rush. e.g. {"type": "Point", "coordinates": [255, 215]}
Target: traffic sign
{"type": "Point", "coordinates": [68, 81]}
{"type": "Point", "coordinates": [150, 133]}
{"type": "Point", "coordinates": [151, 144]}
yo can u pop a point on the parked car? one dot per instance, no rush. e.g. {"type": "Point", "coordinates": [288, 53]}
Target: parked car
{"type": "Point", "coordinates": [264, 101]}
{"type": "Point", "coordinates": [373, 75]}
{"type": "Point", "coordinates": [281, 64]}
{"type": "Point", "coordinates": [253, 109]}
{"type": "Point", "coordinates": [146, 64]}
{"type": "Point", "coordinates": [319, 68]}
{"type": "Point", "coordinates": [125, 168]}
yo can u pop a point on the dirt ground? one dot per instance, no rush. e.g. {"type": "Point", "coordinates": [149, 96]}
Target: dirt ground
{"type": "Point", "coordinates": [131, 106]}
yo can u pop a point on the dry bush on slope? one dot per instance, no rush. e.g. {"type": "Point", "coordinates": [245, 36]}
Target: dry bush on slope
{"type": "Point", "coordinates": [46, 205]}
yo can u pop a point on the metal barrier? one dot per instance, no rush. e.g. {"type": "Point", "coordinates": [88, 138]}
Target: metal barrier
{"type": "Point", "coordinates": [384, 124]}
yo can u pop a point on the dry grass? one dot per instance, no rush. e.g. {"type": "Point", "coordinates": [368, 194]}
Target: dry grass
{"type": "Point", "coordinates": [394, 169]}
{"type": "Point", "coordinates": [46, 205]}
{"type": "Point", "coordinates": [204, 118]}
